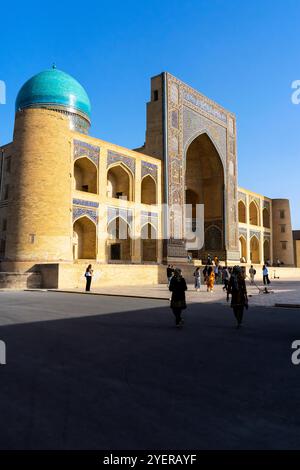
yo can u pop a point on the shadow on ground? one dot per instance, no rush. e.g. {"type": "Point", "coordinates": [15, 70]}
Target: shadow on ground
{"type": "Point", "coordinates": [130, 380]}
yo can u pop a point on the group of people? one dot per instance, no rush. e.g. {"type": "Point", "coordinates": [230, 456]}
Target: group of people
{"type": "Point", "coordinates": [233, 283]}
{"type": "Point", "coordinates": [232, 278]}
{"type": "Point", "coordinates": [235, 286]}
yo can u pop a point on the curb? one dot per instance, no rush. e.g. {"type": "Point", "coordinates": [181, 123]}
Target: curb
{"type": "Point", "coordinates": [287, 305]}
{"type": "Point", "coordinates": [133, 296]}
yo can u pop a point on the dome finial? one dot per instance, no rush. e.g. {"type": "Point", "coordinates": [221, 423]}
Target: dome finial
{"type": "Point", "coordinates": [54, 65]}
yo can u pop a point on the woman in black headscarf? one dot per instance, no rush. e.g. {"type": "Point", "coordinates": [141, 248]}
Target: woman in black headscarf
{"type": "Point", "coordinates": [178, 287]}
{"type": "Point", "coordinates": [238, 291]}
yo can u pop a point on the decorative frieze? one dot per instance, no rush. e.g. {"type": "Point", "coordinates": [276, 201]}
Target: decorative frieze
{"type": "Point", "coordinates": [83, 149]}
{"type": "Point", "coordinates": [242, 197]}
{"type": "Point", "coordinates": [84, 211]}
{"type": "Point", "coordinates": [255, 233]}
{"type": "Point", "coordinates": [114, 157]}
{"type": "Point", "coordinates": [81, 202]}
{"type": "Point", "coordinates": [149, 169]}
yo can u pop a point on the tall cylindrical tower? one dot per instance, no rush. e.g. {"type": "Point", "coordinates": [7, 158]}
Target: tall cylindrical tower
{"type": "Point", "coordinates": [39, 224]}
{"type": "Point", "coordinates": [282, 232]}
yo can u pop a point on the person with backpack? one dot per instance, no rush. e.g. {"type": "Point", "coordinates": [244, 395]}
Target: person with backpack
{"type": "Point", "coordinates": [252, 273]}
{"type": "Point", "coordinates": [237, 290]}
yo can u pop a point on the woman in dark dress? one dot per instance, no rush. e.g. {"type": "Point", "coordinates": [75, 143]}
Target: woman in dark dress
{"type": "Point", "coordinates": [178, 287]}
{"type": "Point", "coordinates": [88, 277]}
{"type": "Point", "coordinates": [238, 291]}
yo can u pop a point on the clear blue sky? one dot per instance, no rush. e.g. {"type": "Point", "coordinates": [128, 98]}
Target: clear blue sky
{"type": "Point", "coordinates": [242, 54]}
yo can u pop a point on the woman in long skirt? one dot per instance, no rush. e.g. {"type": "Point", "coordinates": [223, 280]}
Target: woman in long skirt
{"type": "Point", "coordinates": [238, 291]}
{"type": "Point", "coordinates": [178, 303]}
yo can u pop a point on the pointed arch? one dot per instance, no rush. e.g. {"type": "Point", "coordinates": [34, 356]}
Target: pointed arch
{"type": "Point", "coordinates": [242, 212]}
{"type": "Point", "coordinates": [254, 249]}
{"type": "Point", "coordinates": [149, 242]}
{"type": "Point", "coordinates": [84, 238]}
{"type": "Point", "coordinates": [148, 190]}
{"type": "Point", "coordinates": [119, 182]}
{"type": "Point", "coordinates": [85, 175]}
{"type": "Point", "coordinates": [204, 184]}
{"type": "Point", "coordinates": [266, 218]}
{"type": "Point", "coordinates": [253, 213]}
{"type": "Point", "coordinates": [118, 240]}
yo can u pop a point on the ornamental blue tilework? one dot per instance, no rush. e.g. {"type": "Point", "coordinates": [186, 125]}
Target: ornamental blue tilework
{"type": "Point", "coordinates": [81, 202]}
{"type": "Point", "coordinates": [113, 157]}
{"type": "Point", "coordinates": [149, 169]}
{"type": "Point", "coordinates": [114, 212]}
{"type": "Point", "coordinates": [83, 149]}
{"type": "Point", "coordinates": [83, 211]}
{"type": "Point", "coordinates": [254, 233]}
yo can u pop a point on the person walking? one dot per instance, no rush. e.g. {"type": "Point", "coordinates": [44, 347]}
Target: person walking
{"type": "Point", "coordinates": [252, 273]}
{"type": "Point", "coordinates": [225, 277]}
{"type": "Point", "coordinates": [210, 279]}
{"type": "Point", "coordinates": [170, 272]}
{"type": "Point", "coordinates": [266, 275]}
{"type": "Point", "coordinates": [237, 290]}
{"type": "Point", "coordinates": [178, 303]}
{"type": "Point", "coordinates": [88, 277]}
{"type": "Point", "coordinates": [197, 275]}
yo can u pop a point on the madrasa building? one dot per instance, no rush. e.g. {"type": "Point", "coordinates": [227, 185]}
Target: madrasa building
{"type": "Point", "coordinates": [68, 199]}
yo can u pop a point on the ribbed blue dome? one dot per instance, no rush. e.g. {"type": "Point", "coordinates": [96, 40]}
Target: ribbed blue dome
{"type": "Point", "coordinates": [54, 87]}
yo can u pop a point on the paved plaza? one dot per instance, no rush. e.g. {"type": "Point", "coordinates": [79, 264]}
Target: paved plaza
{"type": "Point", "coordinates": [285, 292]}
{"type": "Point", "coordinates": [104, 372]}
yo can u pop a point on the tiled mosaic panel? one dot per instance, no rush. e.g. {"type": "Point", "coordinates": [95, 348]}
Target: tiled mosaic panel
{"type": "Point", "coordinates": [113, 157]}
{"type": "Point", "coordinates": [83, 149]}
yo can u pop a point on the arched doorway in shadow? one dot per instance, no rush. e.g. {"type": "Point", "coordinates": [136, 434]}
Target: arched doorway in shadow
{"type": "Point", "coordinates": [119, 240]}
{"type": "Point", "coordinates": [243, 248]}
{"type": "Point", "coordinates": [119, 182]}
{"type": "Point", "coordinates": [254, 250]}
{"type": "Point", "coordinates": [253, 213]}
{"type": "Point", "coordinates": [149, 243]}
{"type": "Point", "coordinates": [204, 184]}
{"type": "Point", "coordinates": [242, 212]}
{"type": "Point", "coordinates": [266, 218]}
{"type": "Point", "coordinates": [84, 239]}
{"type": "Point", "coordinates": [85, 175]}
{"type": "Point", "coordinates": [148, 190]}
{"type": "Point", "coordinates": [266, 250]}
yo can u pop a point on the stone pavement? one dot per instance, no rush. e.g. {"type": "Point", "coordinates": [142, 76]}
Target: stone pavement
{"type": "Point", "coordinates": [91, 372]}
{"type": "Point", "coordinates": [281, 292]}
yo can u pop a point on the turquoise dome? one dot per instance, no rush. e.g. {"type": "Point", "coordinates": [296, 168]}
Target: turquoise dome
{"type": "Point", "coordinates": [54, 88]}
